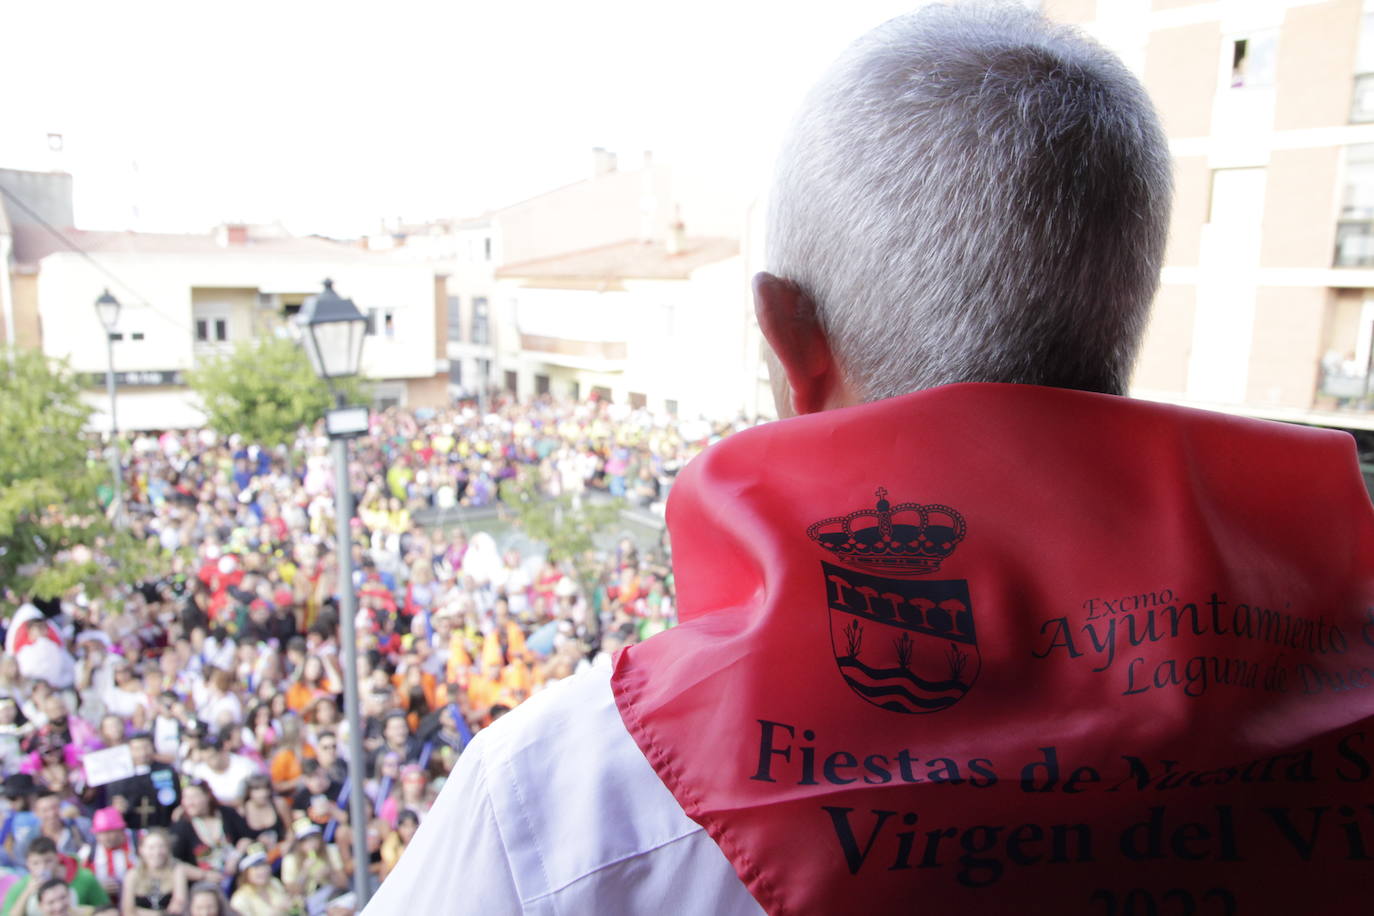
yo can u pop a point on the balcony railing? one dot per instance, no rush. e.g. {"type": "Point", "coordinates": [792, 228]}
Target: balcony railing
{"type": "Point", "coordinates": [1343, 380]}
{"type": "Point", "coordinates": [609, 350]}
{"type": "Point", "coordinates": [1362, 99]}
{"type": "Point", "coordinates": [203, 350]}
{"type": "Point", "coordinates": [1355, 243]}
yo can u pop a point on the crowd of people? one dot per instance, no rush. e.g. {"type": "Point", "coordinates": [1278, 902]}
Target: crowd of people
{"type": "Point", "coordinates": [178, 745]}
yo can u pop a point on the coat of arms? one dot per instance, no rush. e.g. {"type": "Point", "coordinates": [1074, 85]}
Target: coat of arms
{"type": "Point", "coordinates": [902, 642]}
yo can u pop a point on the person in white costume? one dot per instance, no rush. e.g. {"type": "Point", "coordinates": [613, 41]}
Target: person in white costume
{"type": "Point", "coordinates": [38, 646]}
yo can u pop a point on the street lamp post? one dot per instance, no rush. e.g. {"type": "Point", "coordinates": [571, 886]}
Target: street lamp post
{"type": "Point", "coordinates": [107, 307]}
{"type": "Point", "coordinates": [333, 331]}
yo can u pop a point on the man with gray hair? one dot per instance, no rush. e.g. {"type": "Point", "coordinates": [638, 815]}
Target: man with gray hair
{"type": "Point", "coordinates": [974, 198]}
{"type": "Point", "coordinates": [967, 630]}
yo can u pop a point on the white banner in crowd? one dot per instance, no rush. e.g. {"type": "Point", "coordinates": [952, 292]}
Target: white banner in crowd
{"type": "Point", "coordinates": [109, 765]}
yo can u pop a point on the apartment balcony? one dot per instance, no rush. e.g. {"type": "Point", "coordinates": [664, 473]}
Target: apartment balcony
{"type": "Point", "coordinates": [204, 352]}
{"type": "Point", "coordinates": [1347, 387]}
{"type": "Point", "coordinates": [601, 355]}
{"type": "Point", "coordinates": [1355, 243]}
{"type": "Point", "coordinates": [580, 329]}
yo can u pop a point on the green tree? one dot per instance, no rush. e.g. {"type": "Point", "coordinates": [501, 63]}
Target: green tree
{"type": "Point", "coordinates": [265, 391]}
{"type": "Point", "coordinates": [54, 532]}
{"type": "Point", "coordinates": [567, 526]}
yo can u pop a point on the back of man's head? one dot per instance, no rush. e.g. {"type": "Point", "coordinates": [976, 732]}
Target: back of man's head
{"type": "Point", "coordinates": [975, 194]}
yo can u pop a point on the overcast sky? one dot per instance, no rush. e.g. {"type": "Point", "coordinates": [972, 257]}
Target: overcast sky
{"type": "Point", "coordinates": [330, 116]}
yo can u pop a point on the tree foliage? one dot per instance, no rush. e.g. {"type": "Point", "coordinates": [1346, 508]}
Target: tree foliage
{"type": "Point", "coordinates": [54, 532]}
{"type": "Point", "coordinates": [265, 391]}
{"type": "Point", "coordinates": [567, 526]}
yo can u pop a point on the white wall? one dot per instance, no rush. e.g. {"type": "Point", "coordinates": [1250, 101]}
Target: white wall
{"type": "Point", "coordinates": [68, 287]}
{"type": "Point", "coordinates": [690, 341]}
{"type": "Point", "coordinates": [1218, 367]}
{"type": "Point", "coordinates": [576, 314]}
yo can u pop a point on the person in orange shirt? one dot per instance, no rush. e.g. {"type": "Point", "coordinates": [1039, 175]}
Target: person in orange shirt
{"type": "Point", "coordinates": [515, 640]}
{"type": "Point", "coordinates": [482, 692]}
{"type": "Point", "coordinates": [285, 766]}
{"type": "Point", "coordinates": [506, 643]}
{"type": "Point", "coordinates": [493, 656]}
{"type": "Point", "coordinates": [516, 678]}
{"type": "Point", "coordinates": [310, 686]}
{"type": "Point", "coordinates": [416, 691]}
{"type": "Point", "coordinates": [459, 660]}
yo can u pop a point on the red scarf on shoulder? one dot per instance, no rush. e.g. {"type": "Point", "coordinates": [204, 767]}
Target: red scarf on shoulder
{"type": "Point", "coordinates": [987, 649]}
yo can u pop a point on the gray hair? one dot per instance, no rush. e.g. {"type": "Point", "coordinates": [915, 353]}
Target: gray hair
{"type": "Point", "coordinates": [975, 194]}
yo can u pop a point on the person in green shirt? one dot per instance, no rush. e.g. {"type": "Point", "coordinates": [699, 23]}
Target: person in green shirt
{"type": "Point", "coordinates": [45, 863]}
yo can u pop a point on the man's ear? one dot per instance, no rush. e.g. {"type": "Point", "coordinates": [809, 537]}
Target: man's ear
{"type": "Point", "coordinates": [789, 322]}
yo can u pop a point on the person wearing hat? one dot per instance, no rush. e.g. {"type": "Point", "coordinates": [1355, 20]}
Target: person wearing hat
{"type": "Point", "coordinates": [56, 768]}
{"type": "Point", "coordinates": [259, 892]}
{"type": "Point", "coordinates": [71, 734]}
{"type": "Point", "coordinates": [191, 737]}
{"type": "Point", "coordinates": [112, 855]}
{"type": "Point", "coordinates": [37, 644]}
{"type": "Point", "coordinates": [312, 871]}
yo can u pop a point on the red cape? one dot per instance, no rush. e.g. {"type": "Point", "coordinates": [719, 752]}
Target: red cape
{"type": "Point", "coordinates": [1013, 649]}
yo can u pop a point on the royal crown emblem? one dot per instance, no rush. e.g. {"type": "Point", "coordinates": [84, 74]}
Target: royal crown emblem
{"type": "Point", "coordinates": [905, 540]}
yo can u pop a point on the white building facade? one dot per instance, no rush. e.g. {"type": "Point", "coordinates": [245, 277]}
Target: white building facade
{"type": "Point", "coordinates": [636, 323]}
{"type": "Point", "coordinates": [186, 299]}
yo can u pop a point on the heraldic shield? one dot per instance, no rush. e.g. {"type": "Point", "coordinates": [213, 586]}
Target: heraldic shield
{"type": "Point", "coordinates": [905, 646]}
{"type": "Point", "coordinates": [903, 643]}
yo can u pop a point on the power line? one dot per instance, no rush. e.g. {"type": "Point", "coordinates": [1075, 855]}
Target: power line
{"type": "Point", "coordinates": [77, 249]}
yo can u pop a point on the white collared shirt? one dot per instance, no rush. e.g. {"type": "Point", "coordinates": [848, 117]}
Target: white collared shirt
{"type": "Point", "coordinates": [554, 809]}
